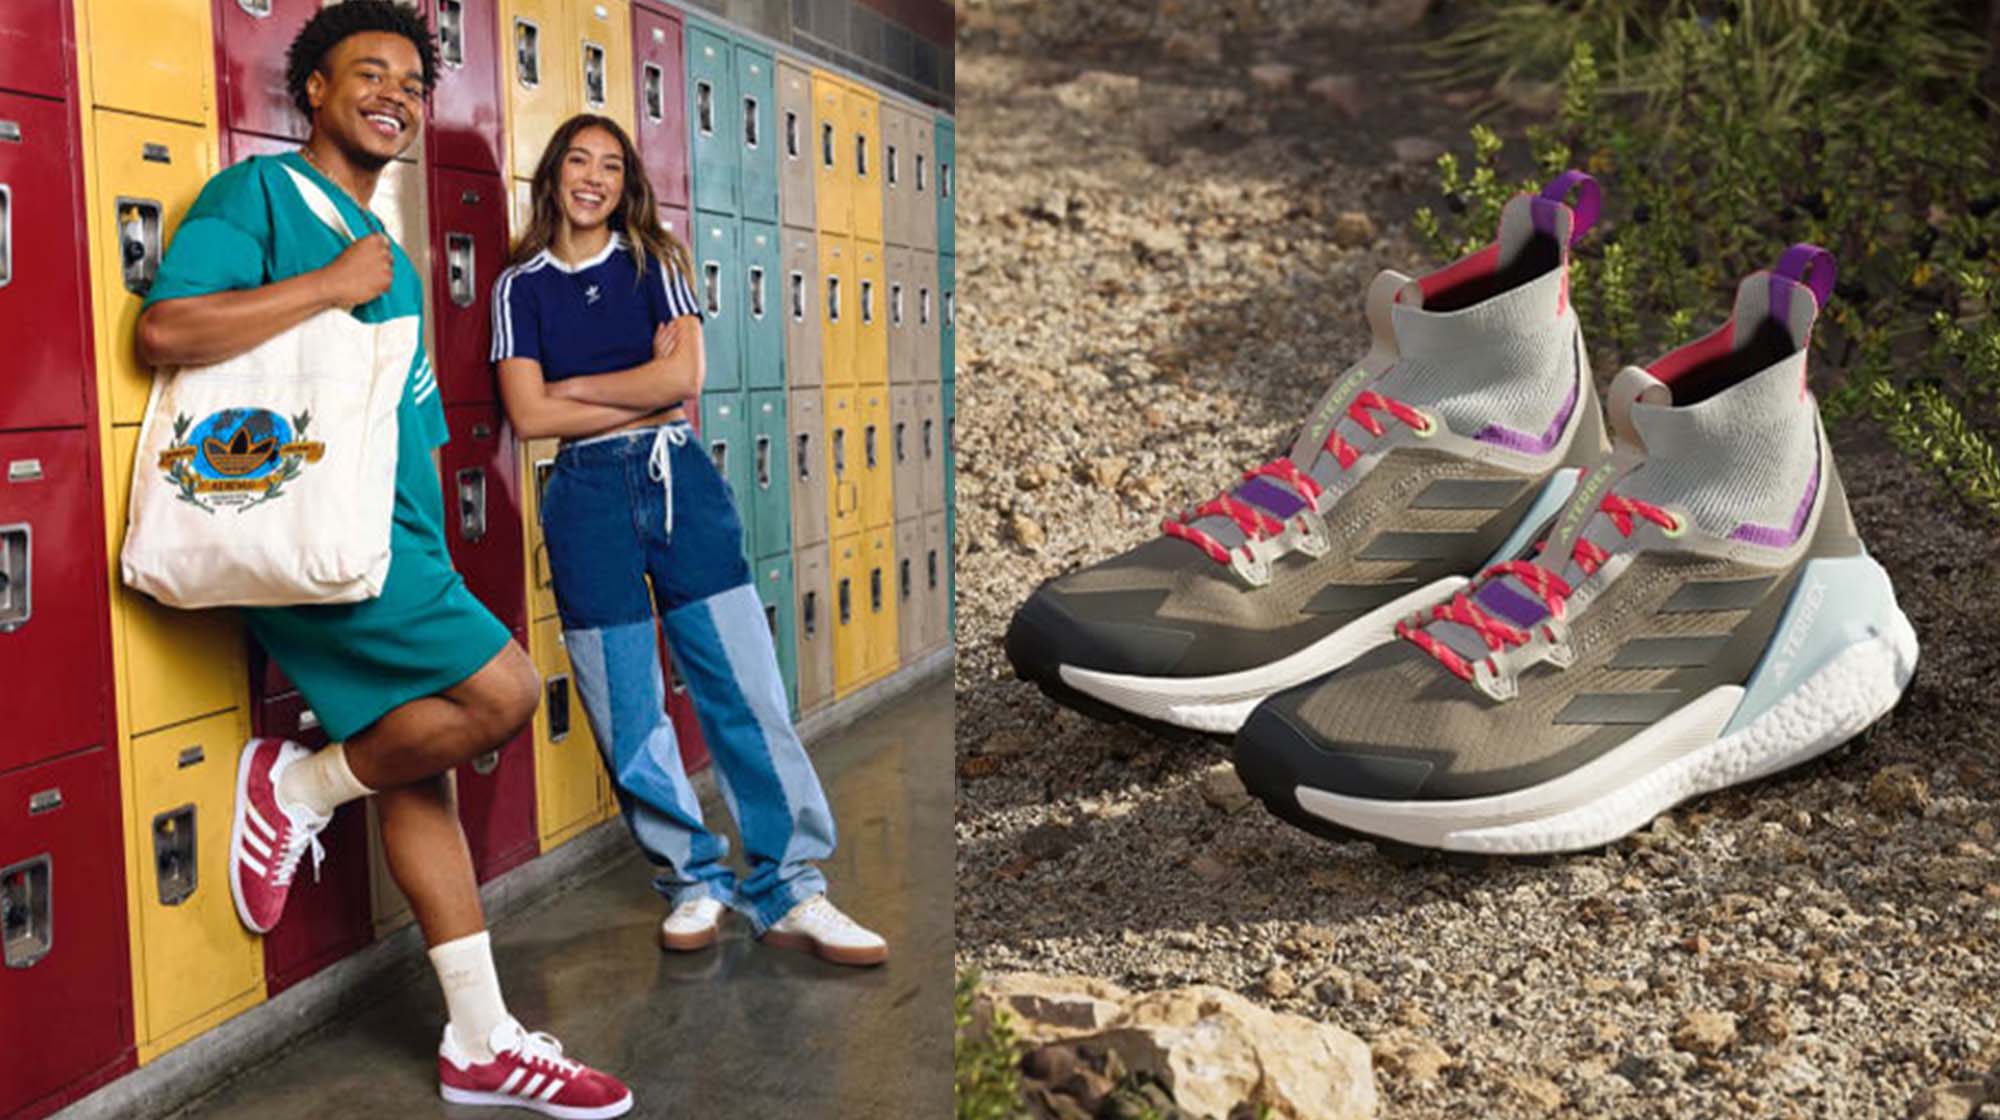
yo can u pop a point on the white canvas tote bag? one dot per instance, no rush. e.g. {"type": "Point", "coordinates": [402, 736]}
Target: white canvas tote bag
{"type": "Point", "coordinates": [270, 479]}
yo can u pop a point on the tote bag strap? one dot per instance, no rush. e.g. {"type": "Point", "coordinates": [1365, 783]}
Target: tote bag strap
{"type": "Point", "coordinates": [322, 206]}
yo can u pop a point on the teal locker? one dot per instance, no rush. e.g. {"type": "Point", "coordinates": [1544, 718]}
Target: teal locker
{"type": "Point", "coordinates": [715, 129]}
{"type": "Point", "coordinates": [947, 319]}
{"type": "Point", "coordinates": [947, 187]}
{"type": "Point", "coordinates": [770, 475]}
{"type": "Point", "coordinates": [756, 92]}
{"type": "Point", "coordinates": [718, 259]}
{"type": "Point", "coordinates": [951, 494]}
{"type": "Point", "coordinates": [774, 587]}
{"type": "Point", "coordinates": [764, 303]}
{"type": "Point", "coordinates": [725, 431]}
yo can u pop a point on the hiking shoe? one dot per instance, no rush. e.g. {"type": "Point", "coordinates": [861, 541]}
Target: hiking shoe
{"type": "Point", "coordinates": [818, 927]}
{"type": "Point", "coordinates": [1701, 614]}
{"type": "Point", "coordinates": [529, 1071]}
{"type": "Point", "coordinates": [269, 836]}
{"type": "Point", "coordinates": [691, 925]}
{"type": "Point", "coordinates": [1447, 446]}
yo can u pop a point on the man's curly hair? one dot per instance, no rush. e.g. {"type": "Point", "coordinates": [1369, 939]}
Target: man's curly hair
{"type": "Point", "coordinates": [333, 24]}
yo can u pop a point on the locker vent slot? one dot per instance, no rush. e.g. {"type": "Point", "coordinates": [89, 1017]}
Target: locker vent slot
{"type": "Point", "coordinates": [718, 450]}
{"type": "Point", "coordinates": [139, 242]}
{"type": "Point", "coordinates": [527, 53]}
{"type": "Point", "coordinates": [798, 297]}
{"type": "Point", "coordinates": [791, 135]}
{"type": "Point", "coordinates": [190, 757]}
{"type": "Point", "coordinates": [593, 75]}
{"type": "Point", "coordinates": [17, 584]}
{"type": "Point", "coordinates": [472, 504]}
{"type": "Point", "coordinates": [24, 470]}
{"type": "Point", "coordinates": [558, 701]}
{"type": "Point", "coordinates": [458, 250]}
{"type": "Point", "coordinates": [27, 914]}
{"type": "Point", "coordinates": [756, 292]}
{"type": "Point", "coordinates": [156, 153]}
{"type": "Point", "coordinates": [451, 33]}
{"type": "Point", "coordinates": [654, 83]}
{"type": "Point", "coordinates": [805, 458]}
{"type": "Point", "coordinates": [704, 107]}
{"type": "Point", "coordinates": [45, 801]}
{"type": "Point", "coordinates": [176, 866]}
{"type": "Point", "coordinates": [763, 462]}
{"type": "Point", "coordinates": [750, 130]}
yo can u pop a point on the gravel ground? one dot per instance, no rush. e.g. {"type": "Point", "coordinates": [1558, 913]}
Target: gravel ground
{"type": "Point", "coordinates": [1151, 295]}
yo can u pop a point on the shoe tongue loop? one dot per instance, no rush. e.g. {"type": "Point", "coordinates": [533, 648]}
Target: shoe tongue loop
{"type": "Point", "coordinates": [1384, 293]}
{"type": "Point", "coordinates": [1633, 386]}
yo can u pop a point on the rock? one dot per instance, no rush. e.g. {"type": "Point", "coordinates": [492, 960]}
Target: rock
{"type": "Point", "coordinates": [1190, 46]}
{"type": "Point", "coordinates": [1539, 1092]}
{"type": "Point", "coordinates": [1419, 150]}
{"type": "Point", "coordinates": [1156, 242]}
{"type": "Point", "coordinates": [1215, 1050]}
{"type": "Point", "coordinates": [1107, 472]}
{"type": "Point", "coordinates": [1705, 1033]}
{"type": "Point", "coordinates": [1209, 869]}
{"type": "Point", "coordinates": [1053, 1063]}
{"type": "Point", "coordinates": [1093, 89]}
{"type": "Point", "coordinates": [1341, 91]}
{"type": "Point", "coordinates": [1221, 788]}
{"type": "Point", "coordinates": [1949, 1102]}
{"type": "Point", "coordinates": [1047, 1008]}
{"type": "Point", "coordinates": [1408, 1056]}
{"type": "Point", "coordinates": [1026, 532]}
{"type": "Point", "coordinates": [1898, 789]}
{"type": "Point", "coordinates": [1273, 77]}
{"type": "Point", "coordinates": [1770, 1023]}
{"type": "Point", "coordinates": [1399, 15]}
{"type": "Point", "coordinates": [1353, 228]}
{"type": "Point", "coordinates": [1278, 983]}
{"type": "Point", "coordinates": [1052, 841]}
{"type": "Point", "coordinates": [1037, 475]}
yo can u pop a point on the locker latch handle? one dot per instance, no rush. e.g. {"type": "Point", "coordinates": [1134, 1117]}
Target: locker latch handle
{"type": "Point", "coordinates": [798, 297]}
{"type": "Point", "coordinates": [593, 75]}
{"type": "Point", "coordinates": [903, 577]}
{"type": "Point", "coordinates": [930, 568]}
{"type": "Point", "coordinates": [920, 171]}
{"type": "Point", "coordinates": [868, 445]}
{"type": "Point", "coordinates": [704, 107]}
{"type": "Point", "coordinates": [139, 242]}
{"type": "Point", "coordinates": [458, 251]}
{"type": "Point", "coordinates": [805, 458]}
{"type": "Point", "coordinates": [895, 305]}
{"type": "Point", "coordinates": [771, 619]}
{"type": "Point", "coordinates": [846, 603]}
{"type": "Point", "coordinates": [839, 453]}
{"type": "Point", "coordinates": [809, 613]}
{"type": "Point", "coordinates": [833, 299]}
{"type": "Point", "coordinates": [176, 866]}
{"type": "Point", "coordinates": [791, 134]}
{"type": "Point", "coordinates": [923, 307]}
{"type": "Point", "coordinates": [711, 282]}
{"type": "Point", "coordinates": [875, 590]}
{"type": "Point", "coordinates": [901, 455]}
{"type": "Point", "coordinates": [867, 301]}
{"type": "Point", "coordinates": [451, 32]}
{"type": "Point", "coordinates": [763, 462]}
{"type": "Point", "coordinates": [472, 504]}
{"type": "Point", "coordinates": [929, 434]}
{"type": "Point", "coordinates": [558, 700]}
{"type": "Point", "coordinates": [655, 86]}
{"type": "Point", "coordinates": [750, 129]}
{"type": "Point", "coordinates": [6, 234]}
{"type": "Point", "coordinates": [756, 292]}
{"type": "Point", "coordinates": [27, 911]}
{"type": "Point", "coordinates": [826, 144]}
{"type": "Point", "coordinates": [527, 52]}
{"type": "Point", "coordinates": [257, 9]}
{"type": "Point", "coordinates": [17, 585]}
{"type": "Point", "coordinates": [861, 154]}
{"type": "Point", "coordinates": [718, 450]}
{"type": "Point", "coordinates": [486, 763]}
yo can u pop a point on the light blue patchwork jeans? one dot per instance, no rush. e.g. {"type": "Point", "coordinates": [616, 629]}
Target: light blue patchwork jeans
{"type": "Point", "coordinates": [624, 509]}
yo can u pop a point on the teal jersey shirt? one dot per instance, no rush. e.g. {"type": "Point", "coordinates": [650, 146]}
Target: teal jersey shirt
{"type": "Point", "coordinates": [425, 632]}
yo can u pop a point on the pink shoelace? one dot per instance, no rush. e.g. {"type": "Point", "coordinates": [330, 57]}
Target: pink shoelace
{"type": "Point", "coordinates": [1554, 591]}
{"type": "Point", "coordinates": [1258, 525]}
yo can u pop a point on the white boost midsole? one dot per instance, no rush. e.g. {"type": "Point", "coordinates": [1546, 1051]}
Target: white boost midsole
{"type": "Point", "coordinates": [1221, 703]}
{"type": "Point", "coordinates": [1670, 762]}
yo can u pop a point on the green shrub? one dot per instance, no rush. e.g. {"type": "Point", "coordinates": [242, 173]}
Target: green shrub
{"type": "Point", "coordinates": [1857, 126]}
{"type": "Point", "coordinates": [986, 1081]}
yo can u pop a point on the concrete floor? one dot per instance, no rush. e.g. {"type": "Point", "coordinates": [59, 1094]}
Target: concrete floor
{"type": "Point", "coordinates": [736, 1031]}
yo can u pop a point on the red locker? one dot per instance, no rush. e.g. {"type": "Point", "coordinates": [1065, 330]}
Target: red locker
{"type": "Point", "coordinates": [659, 72]}
{"type": "Point", "coordinates": [66, 978]}
{"type": "Point", "coordinates": [239, 146]}
{"type": "Point", "coordinates": [464, 125]}
{"type": "Point", "coordinates": [468, 223]}
{"type": "Point", "coordinates": [496, 799]}
{"type": "Point", "coordinates": [36, 44]}
{"type": "Point", "coordinates": [251, 37]}
{"type": "Point", "coordinates": [482, 499]}
{"type": "Point", "coordinates": [680, 709]}
{"type": "Point", "coordinates": [328, 914]}
{"type": "Point", "coordinates": [677, 221]}
{"type": "Point", "coordinates": [42, 275]}
{"type": "Point", "coordinates": [54, 635]}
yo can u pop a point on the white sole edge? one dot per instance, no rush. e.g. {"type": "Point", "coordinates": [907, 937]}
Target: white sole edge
{"type": "Point", "coordinates": [1661, 767]}
{"type": "Point", "coordinates": [1221, 703]}
{"type": "Point", "coordinates": [560, 1112]}
{"type": "Point", "coordinates": [236, 839]}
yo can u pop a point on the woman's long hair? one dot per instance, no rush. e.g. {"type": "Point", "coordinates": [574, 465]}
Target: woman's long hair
{"type": "Point", "coordinates": [635, 215]}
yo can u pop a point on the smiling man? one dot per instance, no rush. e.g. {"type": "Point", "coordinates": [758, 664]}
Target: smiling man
{"type": "Point", "coordinates": [422, 678]}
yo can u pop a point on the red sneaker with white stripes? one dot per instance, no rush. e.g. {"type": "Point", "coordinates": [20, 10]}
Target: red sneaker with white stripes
{"type": "Point", "coordinates": [269, 837]}
{"type": "Point", "coordinates": [529, 1071]}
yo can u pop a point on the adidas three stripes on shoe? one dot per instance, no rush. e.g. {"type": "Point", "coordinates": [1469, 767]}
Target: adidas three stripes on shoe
{"type": "Point", "coordinates": [1449, 445]}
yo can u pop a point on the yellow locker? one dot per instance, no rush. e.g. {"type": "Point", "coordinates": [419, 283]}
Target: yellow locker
{"type": "Point", "coordinates": [538, 462]}
{"type": "Point", "coordinates": [838, 306]}
{"type": "Point", "coordinates": [152, 56]}
{"type": "Point", "coordinates": [878, 600]}
{"type": "Point", "coordinates": [178, 664]}
{"type": "Point", "coordinates": [851, 658]}
{"type": "Point", "coordinates": [871, 327]}
{"type": "Point", "coordinates": [541, 70]}
{"type": "Point", "coordinates": [148, 174]}
{"type": "Point", "coordinates": [833, 182]}
{"type": "Point", "coordinates": [844, 469]}
{"type": "Point", "coordinates": [878, 463]}
{"type": "Point", "coordinates": [603, 34]}
{"type": "Point", "coordinates": [569, 778]}
{"type": "Point", "coordinates": [194, 965]}
{"type": "Point", "coordinates": [864, 111]}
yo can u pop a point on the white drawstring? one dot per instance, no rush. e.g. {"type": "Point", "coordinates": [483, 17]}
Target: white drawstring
{"type": "Point", "coordinates": [660, 465]}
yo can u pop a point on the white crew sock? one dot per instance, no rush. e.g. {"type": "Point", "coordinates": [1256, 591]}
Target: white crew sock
{"type": "Point", "coordinates": [322, 781]}
{"type": "Point", "coordinates": [472, 1000]}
